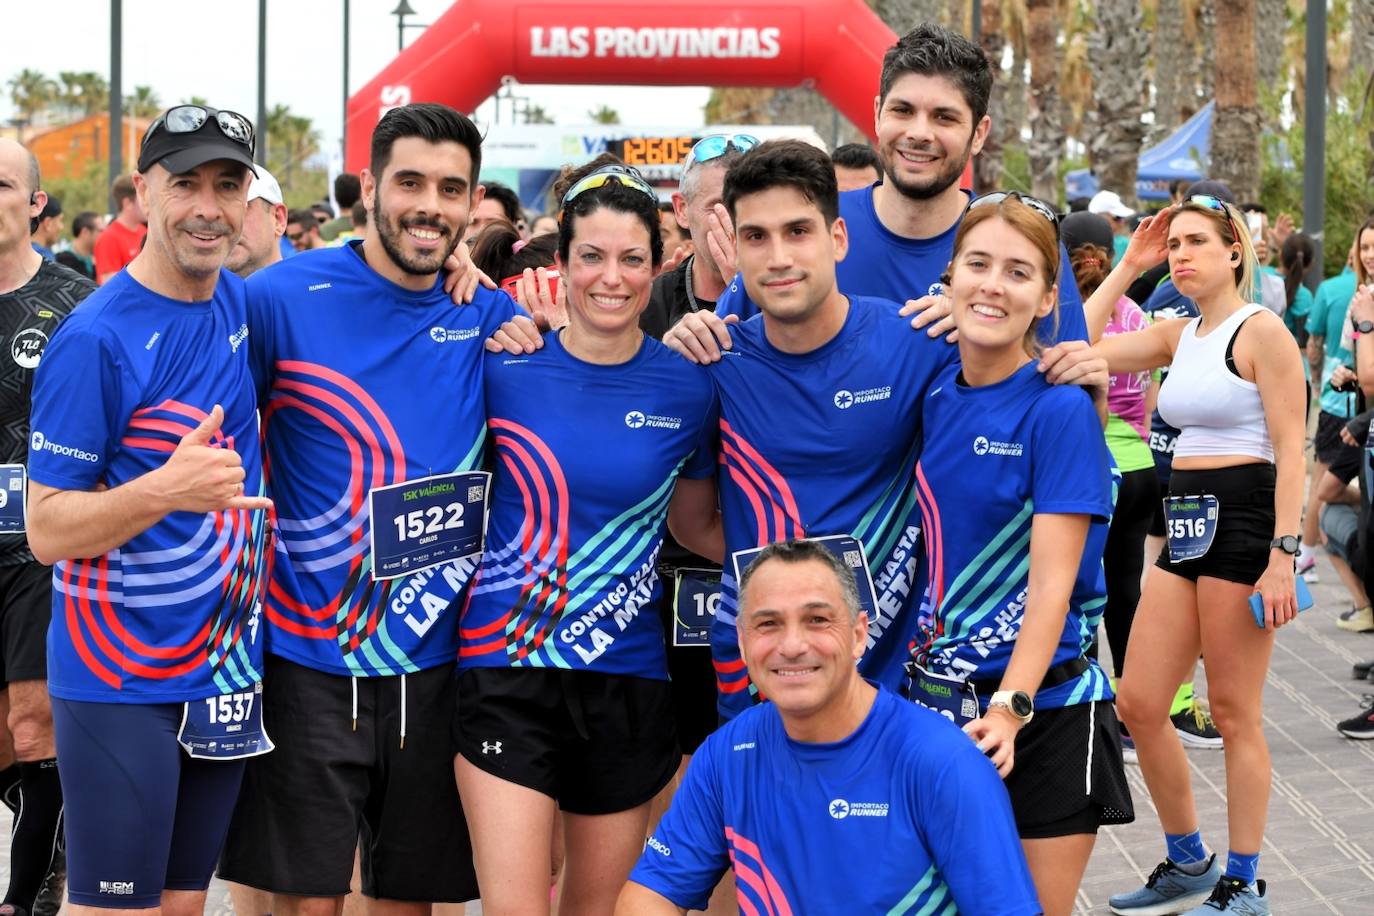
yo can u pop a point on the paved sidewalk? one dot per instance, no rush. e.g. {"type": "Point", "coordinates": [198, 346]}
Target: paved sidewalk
{"type": "Point", "coordinates": [1319, 853]}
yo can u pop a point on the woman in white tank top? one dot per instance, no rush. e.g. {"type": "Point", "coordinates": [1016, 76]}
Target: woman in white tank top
{"type": "Point", "coordinates": [1235, 389]}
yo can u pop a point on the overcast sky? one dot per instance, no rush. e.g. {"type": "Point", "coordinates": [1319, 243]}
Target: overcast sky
{"type": "Point", "coordinates": [187, 47]}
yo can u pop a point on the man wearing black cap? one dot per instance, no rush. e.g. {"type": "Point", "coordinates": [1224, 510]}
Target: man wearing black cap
{"type": "Point", "coordinates": [145, 489]}
{"type": "Point", "coordinates": [35, 294]}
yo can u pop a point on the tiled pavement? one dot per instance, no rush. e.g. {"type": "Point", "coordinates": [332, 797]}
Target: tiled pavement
{"type": "Point", "coordinates": [1319, 854]}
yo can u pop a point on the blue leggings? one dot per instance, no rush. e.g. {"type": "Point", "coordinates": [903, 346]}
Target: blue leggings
{"type": "Point", "coordinates": [141, 815]}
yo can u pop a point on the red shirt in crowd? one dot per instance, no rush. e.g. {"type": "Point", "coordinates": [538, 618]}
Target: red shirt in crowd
{"type": "Point", "coordinates": [116, 247]}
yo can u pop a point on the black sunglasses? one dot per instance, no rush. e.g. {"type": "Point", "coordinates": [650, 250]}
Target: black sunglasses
{"type": "Point", "coordinates": [187, 119]}
{"type": "Point", "coordinates": [1035, 203]}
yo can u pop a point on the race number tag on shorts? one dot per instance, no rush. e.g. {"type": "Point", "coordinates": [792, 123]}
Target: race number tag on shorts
{"type": "Point", "coordinates": [225, 727]}
{"type": "Point", "coordinates": [1190, 522]}
{"type": "Point", "coordinates": [696, 595]}
{"type": "Point", "coordinates": [956, 700]}
{"type": "Point", "coordinates": [422, 523]}
{"type": "Point", "coordinates": [12, 497]}
{"type": "Point", "coordinates": [849, 550]}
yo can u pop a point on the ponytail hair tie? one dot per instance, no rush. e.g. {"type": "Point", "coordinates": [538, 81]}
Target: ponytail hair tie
{"type": "Point", "coordinates": [517, 245]}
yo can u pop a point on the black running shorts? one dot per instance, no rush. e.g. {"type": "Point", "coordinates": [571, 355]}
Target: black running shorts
{"type": "Point", "coordinates": [25, 611]}
{"type": "Point", "coordinates": [596, 743]}
{"type": "Point", "coordinates": [383, 785]}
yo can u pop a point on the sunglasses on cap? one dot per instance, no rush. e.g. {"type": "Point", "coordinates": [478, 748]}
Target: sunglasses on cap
{"type": "Point", "coordinates": [622, 175]}
{"type": "Point", "coordinates": [1035, 203]}
{"type": "Point", "coordinates": [717, 145]}
{"type": "Point", "coordinates": [187, 119]}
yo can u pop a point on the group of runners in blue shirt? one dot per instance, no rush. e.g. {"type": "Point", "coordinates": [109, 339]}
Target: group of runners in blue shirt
{"type": "Point", "coordinates": [344, 565]}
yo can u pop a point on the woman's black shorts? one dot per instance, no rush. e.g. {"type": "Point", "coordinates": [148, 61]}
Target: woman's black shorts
{"type": "Point", "coordinates": [1245, 522]}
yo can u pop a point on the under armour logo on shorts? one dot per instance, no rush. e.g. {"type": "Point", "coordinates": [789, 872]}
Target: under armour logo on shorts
{"type": "Point", "coordinates": [491, 747]}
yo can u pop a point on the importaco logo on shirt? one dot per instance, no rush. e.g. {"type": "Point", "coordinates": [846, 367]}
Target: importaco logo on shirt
{"type": "Point", "coordinates": [837, 46]}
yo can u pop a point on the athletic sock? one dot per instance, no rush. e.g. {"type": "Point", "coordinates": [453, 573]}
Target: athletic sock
{"type": "Point", "coordinates": [1183, 699]}
{"type": "Point", "coordinates": [9, 787]}
{"type": "Point", "coordinates": [1185, 848]}
{"type": "Point", "coordinates": [34, 840]}
{"type": "Point", "coordinates": [1308, 550]}
{"type": "Point", "coordinates": [1242, 867]}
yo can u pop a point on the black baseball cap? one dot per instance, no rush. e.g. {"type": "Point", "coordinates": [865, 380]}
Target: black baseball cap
{"type": "Point", "coordinates": [1083, 228]}
{"type": "Point", "coordinates": [188, 136]}
{"type": "Point", "coordinates": [1211, 187]}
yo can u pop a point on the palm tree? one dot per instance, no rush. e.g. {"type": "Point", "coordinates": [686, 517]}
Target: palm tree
{"type": "Point", "coordinates": [291, 140]}
{"type": "Point", "coordinates": [535, 114]}
{"type": "Point", "coordinates": [604, 114]}
{"type": "Point", "coordinates": [1271, 25]}
{"type": "Point", "coordinates": [143, 102]}
{"type": "Point", "coordinates": [1117, 50]}
{"type": "Point", "coordinates": [1170, 52]}
{"type": "Point", "coordinates": [1236, 128]}
{"type": "Point", "coordinates": [987, 166]}
{"type": "Point", "coordinates": [1047, 139]}
{"type": "Point", "coordinates": [32, 92]}
{"type": "Point", "coordinates": [95, 92]}
{"type": "Point", "coordinates": [68, 94]}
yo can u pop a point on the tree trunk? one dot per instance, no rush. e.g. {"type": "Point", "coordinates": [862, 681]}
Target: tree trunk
{"type": "Point", "coordinates": [1271, 25]}
{"type": "Point", "coordinates": [1046, 146]}
{"type": "Point", "coordinates": [987, 165]}
{"type": "Point", "coordinates": [1236, 128]}
{"type": "Point", "coordinates": [1116, 51]}
{"type": "Point", "coordinates": [1207, 53]}
{"type": "Point", "coordinates": [1015, 104]}
{"type": "Point", "coordinates": [1170, 54]}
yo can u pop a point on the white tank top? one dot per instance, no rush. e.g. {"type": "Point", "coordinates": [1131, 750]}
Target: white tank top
{"type": "Point", "coordinates": [1218, 412]}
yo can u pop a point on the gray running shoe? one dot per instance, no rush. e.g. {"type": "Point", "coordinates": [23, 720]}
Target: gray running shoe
{"type": "Point", "coordinates": [1168, 890]}
{"type": "Point", "coordinates": [1233, 895]}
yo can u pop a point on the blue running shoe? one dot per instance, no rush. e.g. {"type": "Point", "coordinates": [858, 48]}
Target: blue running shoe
{"type": "Point", "coordinates": [1169, 890]}
{"type": "Point", "coordinates": [1233, 895]}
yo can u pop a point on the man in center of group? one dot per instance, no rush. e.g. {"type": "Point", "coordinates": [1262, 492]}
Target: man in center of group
{"type": "Point", "coordinates": [368, 376]}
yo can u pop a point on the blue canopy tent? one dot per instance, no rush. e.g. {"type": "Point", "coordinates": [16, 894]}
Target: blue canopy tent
{"type": "Point", "coordinates": [1181, 155]}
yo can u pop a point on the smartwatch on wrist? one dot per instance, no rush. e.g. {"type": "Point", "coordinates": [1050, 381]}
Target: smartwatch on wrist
{"type": "Point", "coordinates": [1288, 544]}
{"type": "Point", "coordinates": [1016, 702]}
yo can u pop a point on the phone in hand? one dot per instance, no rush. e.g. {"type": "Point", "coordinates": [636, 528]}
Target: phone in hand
{"type": "Point", "coordinates": [1304, 602]}
{"type": "Point", "coordinates": [1255, 221]}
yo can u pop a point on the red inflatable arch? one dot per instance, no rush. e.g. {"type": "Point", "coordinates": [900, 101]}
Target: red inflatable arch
{"type": "Point", "coordinates": [836, 46]}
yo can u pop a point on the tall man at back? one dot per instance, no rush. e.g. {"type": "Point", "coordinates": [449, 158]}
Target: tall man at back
{"type": "Point", "coordinates": [122, 240]}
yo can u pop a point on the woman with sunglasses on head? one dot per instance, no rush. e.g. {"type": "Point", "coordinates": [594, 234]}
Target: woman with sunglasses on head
{"type": "Point", "coordinates": [563, 686]}
{"type": "Point", "coordinates": [1235, 389]}
{"type": "Point", "coordinates": [1015, 489]}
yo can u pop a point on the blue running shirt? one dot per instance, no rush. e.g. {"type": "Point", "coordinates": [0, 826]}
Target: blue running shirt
{"type": "Point", "coordinates": [825, 443]}
{"type": "Point", "coordinates": [363, 384]}
{"type": "Point", "coordinates": [904, 816]}
{"type": "Point", "coordinates": [881, 263]}
{"type": "Point", "coordinates": [174, 614]}
{"type": "Point", "coordinates": [995, 456]}
{"type": "Point", "coordinates": [587, 458]}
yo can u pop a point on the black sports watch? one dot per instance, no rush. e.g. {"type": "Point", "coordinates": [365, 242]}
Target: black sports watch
{"type": "Point", "coordinates": [1364, 327]}
{"type": "Point", "coordinates": [1288, 543]}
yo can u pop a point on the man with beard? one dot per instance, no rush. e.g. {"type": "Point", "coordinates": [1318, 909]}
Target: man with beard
{"type": "Point", "coordinates": [368, 376]}
{"type": "Point", "coordinates": [931, 119]}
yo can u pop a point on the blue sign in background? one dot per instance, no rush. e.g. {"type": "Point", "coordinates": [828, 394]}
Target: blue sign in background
{"type": "Point", "coordinates": [12, 497]}
{"type": "Point", "coordinates": [422, 523]}
{"type": "Point", "coordinates": [844, 546]}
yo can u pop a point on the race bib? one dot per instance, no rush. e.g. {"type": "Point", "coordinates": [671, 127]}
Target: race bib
{"type": "Point", "coordinates": [851, 553]}
{"type": "Point", "coordinates": [423, 523]}
{"type": "Point", "coordinates": [1190, 523]}
{"type": "Point", "coordinates": [956, 700]}
{"type": "Point", "coordinates": [696, 595]}
{"type": "Point", "coordinates": [225, 727]}
{"type": "Point", "coordinates": [13, 496]}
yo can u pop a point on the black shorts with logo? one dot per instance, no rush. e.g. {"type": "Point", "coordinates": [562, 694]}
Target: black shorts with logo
{"type": "Point", "coordinates": [382, 785]}
{"type": "Point", "coordinates": [596, 743]}
{"type": "Point", "coordinates": [25, 611]}
{"type": "Point", "coordinates": [1067, 775]}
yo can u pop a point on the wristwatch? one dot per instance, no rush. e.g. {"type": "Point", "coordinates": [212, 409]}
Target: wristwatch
{"type": "Point", "coordinates": [1364, 327]}
{"type": "Point", "coordinates": [1016, 702]}
{"type": "Point", "coordinates": [1288, 544]}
